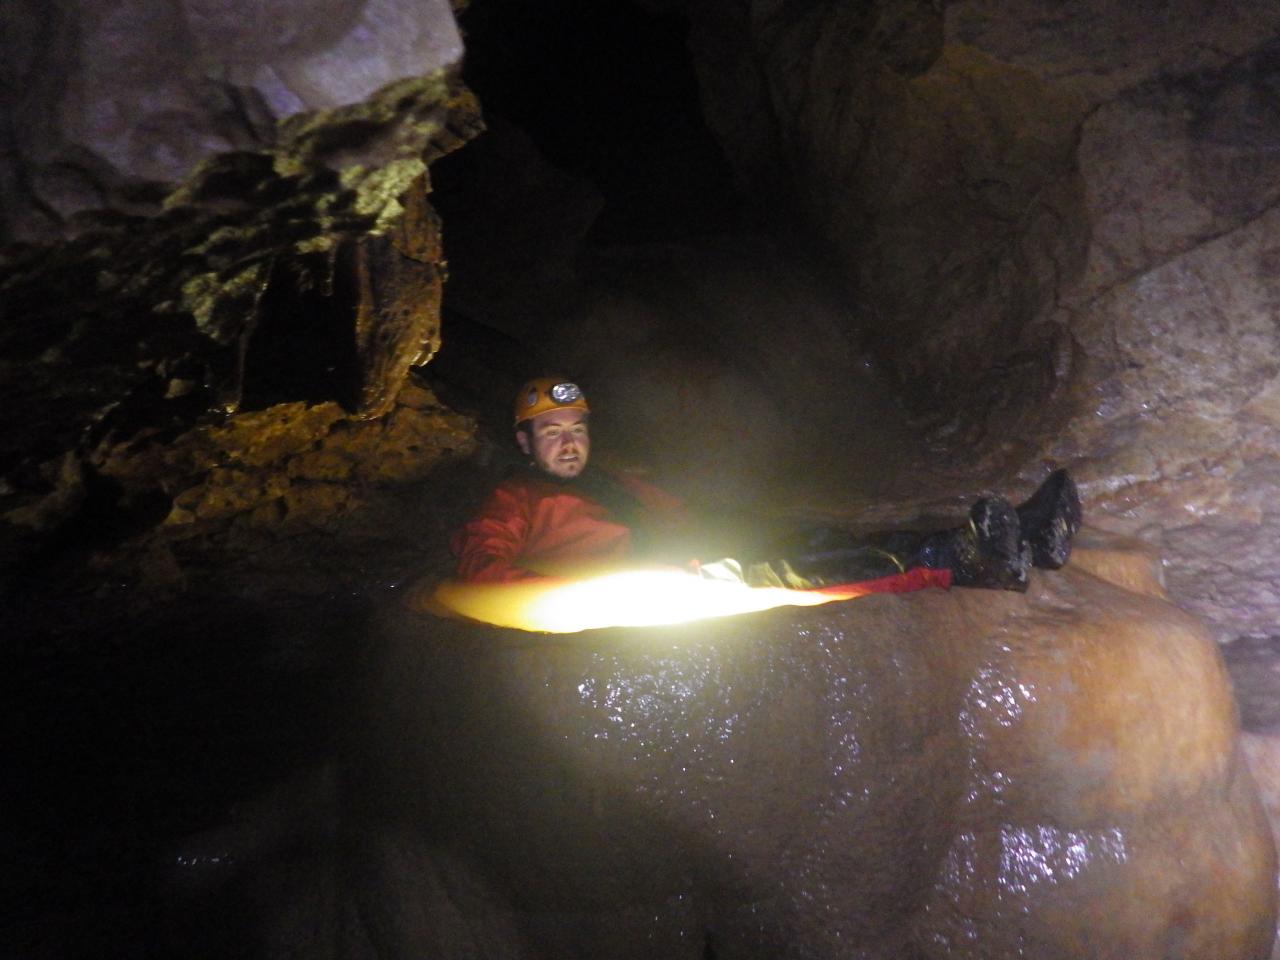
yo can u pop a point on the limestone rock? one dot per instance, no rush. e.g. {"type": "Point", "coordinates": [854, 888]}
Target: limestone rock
{"type": "Point", "coordinates": [948, 195]}
{"type": "Point", "coordinates": [1263, 753]}
{"type": "Point", "coordinates": [125, 99]}
{"type": "Point", "coordinates": [196, 365]}
{"type": "Point", "coordinates": [1056, 229]}
{"type": "Point", "coordinates": [962, 774]}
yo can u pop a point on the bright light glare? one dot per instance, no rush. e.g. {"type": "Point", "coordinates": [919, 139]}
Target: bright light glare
{"type": "Point", "coordinates": [632, 598]}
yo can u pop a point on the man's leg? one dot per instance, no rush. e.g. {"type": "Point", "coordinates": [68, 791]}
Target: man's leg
{"type": "Point", "coordinates": [985, 552]}
{"type": "Point", "coordinates": [993, 550]}
{"type": "Point", "coordinates": [989, 551]}
{"type": "Point", "coordinates": [1049, 519]}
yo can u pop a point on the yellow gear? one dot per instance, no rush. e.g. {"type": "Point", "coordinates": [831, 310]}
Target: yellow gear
{"type": "Point", "coordinates": [548, 393]}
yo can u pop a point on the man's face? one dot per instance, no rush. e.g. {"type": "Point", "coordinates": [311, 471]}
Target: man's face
{"type": "Point", "coordinates": [558, 442]}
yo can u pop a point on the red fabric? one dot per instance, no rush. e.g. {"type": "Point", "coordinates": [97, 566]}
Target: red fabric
{"type": "Point", "coordinates": [528, 521]}
{"type": "Point", "coordinates": [917, 578]}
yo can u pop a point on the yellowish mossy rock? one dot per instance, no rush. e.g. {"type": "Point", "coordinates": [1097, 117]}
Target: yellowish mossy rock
{"type": "Point", "coordinates": [294, 461]}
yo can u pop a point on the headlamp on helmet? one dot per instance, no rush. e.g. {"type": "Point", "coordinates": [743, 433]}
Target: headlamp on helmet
{"type": "Point", "coordinates": [564, 393]}
{"type": "Point", "coordinates": [546, 394]}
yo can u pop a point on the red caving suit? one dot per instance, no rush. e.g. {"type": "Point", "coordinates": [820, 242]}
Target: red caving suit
{"type": "Point", "coordinates": [530, 520]}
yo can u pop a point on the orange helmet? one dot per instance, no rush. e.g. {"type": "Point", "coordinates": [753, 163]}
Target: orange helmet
{"type": "Point", "coordinates": [548, 393]}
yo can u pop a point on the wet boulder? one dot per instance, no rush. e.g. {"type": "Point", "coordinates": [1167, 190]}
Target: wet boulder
{"type": "Point", "coordinates": [943, 774]}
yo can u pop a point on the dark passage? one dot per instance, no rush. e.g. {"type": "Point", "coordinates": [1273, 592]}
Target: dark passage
{"type": "Point", "coordinates": [608, 93]}
{"type": "Point", "coordinates": [128, 734]}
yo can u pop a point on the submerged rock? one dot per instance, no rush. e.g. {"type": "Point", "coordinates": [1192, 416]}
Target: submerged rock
{"type": "Point", "coordinates": [960, 774]}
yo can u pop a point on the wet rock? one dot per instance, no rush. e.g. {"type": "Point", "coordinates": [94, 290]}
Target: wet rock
{"type": "Point", "coordinates": [947, 192]}
{"type": "Point", "coordinates": [295, 498]}
{"type": "Point", "coordinates": [1180, 443]}
{"type": "Point", "coordinates": [961, 774]}
{"type": "Point", "coordinates": [1055, 229]}
{"type": "Point", "coordinates": [233, 363]}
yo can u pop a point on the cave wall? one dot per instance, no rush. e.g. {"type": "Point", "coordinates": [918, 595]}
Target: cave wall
{"type": "Point", "coordinates": [940, 181]}
{"type": "Point", "coordinates": [1055, 226]}
{"type": "Point", "coordinates": [1051, 227]}
{"type": "Point", "coordinates": [1173, 319]}
{"type": "Point", "coordinates": [220, 361]}
{"type": "Point", "coordinates": [110, 104]}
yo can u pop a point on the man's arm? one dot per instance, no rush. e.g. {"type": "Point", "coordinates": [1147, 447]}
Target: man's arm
{"type": "Point", "coordinates": [486, 548]}
{"type": "Point", "coordinates": [489, 545]}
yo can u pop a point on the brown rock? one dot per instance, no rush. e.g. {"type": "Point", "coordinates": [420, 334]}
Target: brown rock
{"type": "Point", "coordinates": [962, 774]}
{"type": "Point", "coordinates": [1058, 231]}
{"type": "Point", "coordinates": [126, 99]}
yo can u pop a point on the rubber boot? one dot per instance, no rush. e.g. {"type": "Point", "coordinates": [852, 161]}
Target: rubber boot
{"type": "Point", "coordinates": [988, 552]}
{"type": "Point", "coordinates": [1049, 519]}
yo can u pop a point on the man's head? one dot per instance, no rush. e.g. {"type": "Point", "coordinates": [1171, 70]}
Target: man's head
{"type": "Point", "coordinates": [551, 426]}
